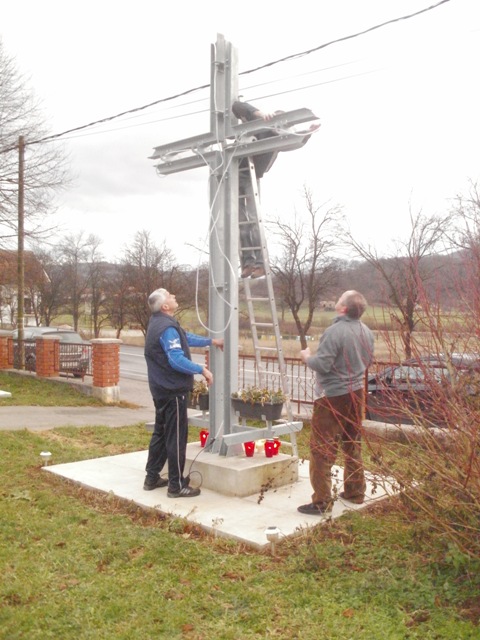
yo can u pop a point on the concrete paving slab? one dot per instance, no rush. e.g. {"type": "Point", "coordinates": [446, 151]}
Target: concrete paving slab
{"type": "Point", "coordinates": [243, 519]}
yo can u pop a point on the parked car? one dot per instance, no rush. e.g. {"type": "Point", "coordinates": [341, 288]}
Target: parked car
{"type": "Point", "coordinates": [75, 352]}
{"type": "Point", "coordinates": [417, 387]}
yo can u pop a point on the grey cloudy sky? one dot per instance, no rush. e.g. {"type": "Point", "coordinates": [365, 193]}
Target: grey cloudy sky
{"type": "Point", "coordinates": [398, 106]}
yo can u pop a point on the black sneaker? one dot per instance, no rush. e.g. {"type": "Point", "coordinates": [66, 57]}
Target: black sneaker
{"type": "Point", "coordinates": [157, 484]}
{"type": "Point", "coordinates": [312, 509]}
{"type": "Point", "coordinates": [184, 492]}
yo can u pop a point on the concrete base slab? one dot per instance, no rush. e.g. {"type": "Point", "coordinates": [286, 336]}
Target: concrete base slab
{"type": "Point", "coordinates": [244, 519]}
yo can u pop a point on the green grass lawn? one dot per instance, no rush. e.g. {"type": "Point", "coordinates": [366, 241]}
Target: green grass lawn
{"type": "Point", "coordinates": [28, 390]}
{"type": "Point", "coordinates": [79, 564]}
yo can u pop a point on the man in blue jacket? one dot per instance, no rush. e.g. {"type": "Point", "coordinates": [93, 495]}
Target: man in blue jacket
{"type": "Point", "coordinates": [344, 353]}
{"type": "Point", "coordinates": [170, 378]}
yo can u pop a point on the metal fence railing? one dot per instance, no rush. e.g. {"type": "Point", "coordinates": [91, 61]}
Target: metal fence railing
{"type": "Point", "coordinates": [301, 379]}
{"type": "Point", "coordinates": [75, 359]}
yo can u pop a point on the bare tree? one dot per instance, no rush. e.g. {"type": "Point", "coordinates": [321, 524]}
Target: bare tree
{"type": "Point", "coordinates": [34, 278]}
{"type": "Point", "coordinates": [50, 291]}
{"type": "Point", "coordinates": [98, 272]}
{"type": "Point", "coordinates": [76, 249]}
{"type": "Point", "coordinates": [306, 271]}
{"type": "Point", "coordinates": [44, 162]}
{"type": "Point", "coordinates": [149, 268]}
{"type": "Point", "coordinates": [118, 292]}
{"type": "Point", "coordinates": [466, 238]}
{"type": "Point", "coordinates": [406, 271]}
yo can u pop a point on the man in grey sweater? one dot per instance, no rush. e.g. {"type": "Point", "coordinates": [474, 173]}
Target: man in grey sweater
{"type": "Point", "coordinates": [344, 353]}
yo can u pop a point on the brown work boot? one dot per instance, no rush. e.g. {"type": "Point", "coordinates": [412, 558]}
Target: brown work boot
{"type": "Point", "coordinates": [355, 499]}
{"type": "Point", "coordinates": [247, 270]}
{"type": "Point", "coordinates": [258, 272]}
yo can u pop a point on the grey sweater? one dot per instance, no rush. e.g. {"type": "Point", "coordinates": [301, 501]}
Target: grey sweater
{"type": "Point", "coordinates": [344, 352]}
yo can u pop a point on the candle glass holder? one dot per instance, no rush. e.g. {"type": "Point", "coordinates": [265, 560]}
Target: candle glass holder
{"type": "Point", "coordinates": [249, 449]}
{"type": "Point", "coordinates": [269, 448]}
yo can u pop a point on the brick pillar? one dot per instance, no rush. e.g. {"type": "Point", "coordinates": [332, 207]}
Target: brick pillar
{"type": "Point", "coordinates": [4, 359]}
{"type": "Point", "coordinates": [47, 358]}
{"type": "Point", "coordinates": [106, 369]}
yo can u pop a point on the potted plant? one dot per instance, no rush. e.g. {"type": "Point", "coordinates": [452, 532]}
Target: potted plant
{"type": "Point", "coordinates": [199, 395]}
{"type": "Point", "coordinates": [258, 403]}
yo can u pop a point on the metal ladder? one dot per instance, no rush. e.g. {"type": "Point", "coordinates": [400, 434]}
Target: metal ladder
{"type": "Point", "coordinates": [252, 207]}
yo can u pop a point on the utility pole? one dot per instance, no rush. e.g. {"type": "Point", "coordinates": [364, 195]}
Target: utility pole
{"type": "Point", "coordinates": [222, 149]}
{"type": "Point", "coordinates": [20, 252]}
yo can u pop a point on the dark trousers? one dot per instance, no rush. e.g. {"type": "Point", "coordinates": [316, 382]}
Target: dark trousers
{"type": "Point", "coordinates": [169, 440]}
{"type": "Point", "coordinates": [337, 421]}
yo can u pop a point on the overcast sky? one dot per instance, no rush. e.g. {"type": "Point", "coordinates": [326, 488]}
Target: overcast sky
{"type": "Point", "coordinates": [399, 107]}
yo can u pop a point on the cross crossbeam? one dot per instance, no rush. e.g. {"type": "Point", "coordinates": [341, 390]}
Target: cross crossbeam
{"type": "Point", "coordinates": [206, 148]}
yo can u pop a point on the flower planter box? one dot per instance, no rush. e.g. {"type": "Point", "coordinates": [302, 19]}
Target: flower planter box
{"type": "Point", "coordinates": [201, 402]}
{"type": "Point", "coordinates": [257, 411]}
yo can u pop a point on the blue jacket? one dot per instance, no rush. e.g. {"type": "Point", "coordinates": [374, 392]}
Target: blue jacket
{"type": "Point", "coordinates": [167, 353]}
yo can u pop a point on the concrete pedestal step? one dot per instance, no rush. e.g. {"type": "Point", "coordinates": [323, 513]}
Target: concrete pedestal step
{"type": "Point", "coordinates": [239, 475]}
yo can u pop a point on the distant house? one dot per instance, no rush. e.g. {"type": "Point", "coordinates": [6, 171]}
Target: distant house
{"type": "Point", "coordinates": [34, 276]}
{"type": "Point", "coordinates": [327, 305]}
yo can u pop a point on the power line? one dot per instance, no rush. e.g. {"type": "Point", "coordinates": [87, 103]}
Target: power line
{"type": "Point", "coordinates": [247, 88]}
{"type": "Point", "coordinates": [207, 109]}
{"type": "Point", "coordinates": [344, 38]}
{"type": "Point", "coordinates": [249, 71]}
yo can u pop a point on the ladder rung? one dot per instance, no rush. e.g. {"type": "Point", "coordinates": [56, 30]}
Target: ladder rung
{"type": "Point", "coordinates": [249, 299]}
{"type": "Point", "coordinates": [263, 324]}
{"type": "Point", "coordinates": [266, 349]}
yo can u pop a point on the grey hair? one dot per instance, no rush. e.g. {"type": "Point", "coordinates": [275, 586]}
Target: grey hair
{"type": "Point", "coordinates": [355, 303]}
{"type": "Point", "coordinates": [157, 299]}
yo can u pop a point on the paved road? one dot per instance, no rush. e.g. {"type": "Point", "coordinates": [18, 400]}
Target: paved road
{"type": "Point", "coordinates": [133, 365]}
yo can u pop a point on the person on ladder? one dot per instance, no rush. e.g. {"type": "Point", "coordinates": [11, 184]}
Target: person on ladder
{"type": "Point", "coordinates": [252, 261]}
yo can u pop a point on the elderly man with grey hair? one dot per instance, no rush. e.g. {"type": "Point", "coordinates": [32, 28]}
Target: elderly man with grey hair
{"type": "Point", "coordinates": [170, 377]}
{"type": "Point", "coordinates": [344, 353]}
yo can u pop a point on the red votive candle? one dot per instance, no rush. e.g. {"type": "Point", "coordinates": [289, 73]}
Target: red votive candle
{"type": "Point", "coordinates": [249, 449]}
{"type": "Point", "coordinates": [269, 448]}
{"type": "Point", "coordinates": [203, 437]}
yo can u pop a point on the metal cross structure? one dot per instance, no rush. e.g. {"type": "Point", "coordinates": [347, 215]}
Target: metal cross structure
{"type": "Point", "coordinates": [222, 149]}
